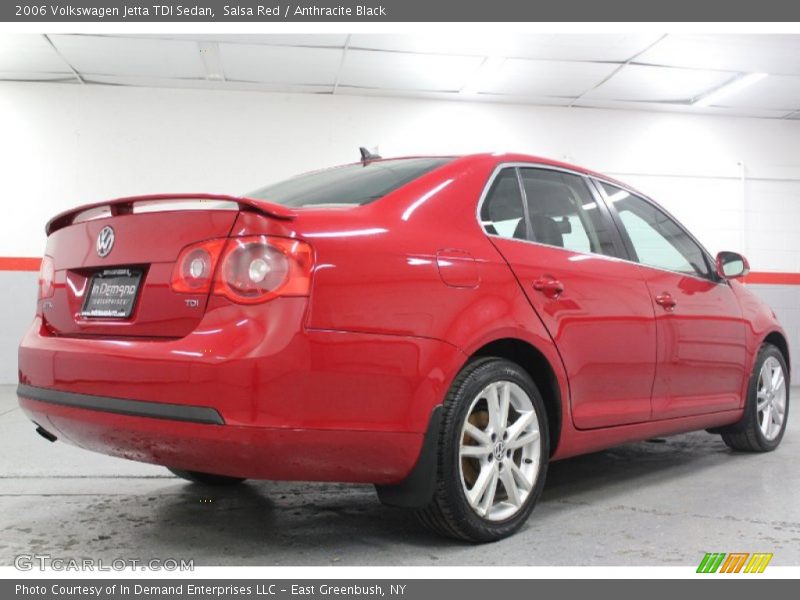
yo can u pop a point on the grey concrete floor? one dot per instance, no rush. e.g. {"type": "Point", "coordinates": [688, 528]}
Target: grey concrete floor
{"type": "Point", "coordinates": [640, 504]}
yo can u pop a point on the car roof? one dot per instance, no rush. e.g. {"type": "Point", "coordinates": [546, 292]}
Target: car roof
{"type": "Point", "coordinates": [497, 158]}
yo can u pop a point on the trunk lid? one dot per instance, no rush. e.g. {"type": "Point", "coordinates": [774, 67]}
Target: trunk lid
{"type": "Point", "coordinates": [148, 234]}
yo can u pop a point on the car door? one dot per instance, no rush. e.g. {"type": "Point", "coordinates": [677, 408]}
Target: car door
{"type": "Point", "coordinates": [701, 332]}
{"type": "Point", "coordinates": [563, 248]}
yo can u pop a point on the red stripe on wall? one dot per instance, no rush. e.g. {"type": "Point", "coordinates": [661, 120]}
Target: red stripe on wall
{"type": "Point", "coordinates": [773, 278]}
{"type": "Point", "coordinates": [29, 263]}
{"type": "Point", "coordinates": [19, 263]}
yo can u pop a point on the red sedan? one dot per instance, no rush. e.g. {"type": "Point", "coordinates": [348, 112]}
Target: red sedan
{"type": "Point", "coordinates": [441, 327]}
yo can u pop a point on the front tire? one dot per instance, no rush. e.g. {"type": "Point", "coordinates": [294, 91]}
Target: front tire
{"type": "Point", "coordinates": [763, 424]}
{"type": "Point", "coordinates": [206, 478]}
{"type": "Point", "coordinates": [493, 453]}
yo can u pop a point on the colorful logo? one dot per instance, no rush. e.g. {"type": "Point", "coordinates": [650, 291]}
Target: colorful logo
{"type": "Point", "coordinates": [735, 562]}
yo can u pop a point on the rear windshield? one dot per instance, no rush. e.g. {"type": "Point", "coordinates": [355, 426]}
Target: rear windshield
{"type": "Point", "coordinates": [351, 184]}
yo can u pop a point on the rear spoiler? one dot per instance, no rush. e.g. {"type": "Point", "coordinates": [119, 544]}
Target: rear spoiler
{"type": "Point", "coordinates": [124, 206]}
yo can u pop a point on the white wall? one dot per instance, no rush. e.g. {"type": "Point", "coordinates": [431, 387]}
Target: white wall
{"type": "Point", "coordinates": [735, 182]}
{"type": "Point", "coordinates": [66, 144]}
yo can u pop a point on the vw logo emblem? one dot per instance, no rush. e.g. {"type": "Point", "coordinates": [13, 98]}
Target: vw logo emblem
{"type": "Point", "coordinates": [500, 450]}
{"type": "Point", "coordinates": [105, 241]}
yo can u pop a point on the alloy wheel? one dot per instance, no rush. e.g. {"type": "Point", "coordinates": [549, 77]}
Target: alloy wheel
{"type": "Point", "coordinates": [499, 451]}
{"type": "Point", "coordinates": [771, 398]}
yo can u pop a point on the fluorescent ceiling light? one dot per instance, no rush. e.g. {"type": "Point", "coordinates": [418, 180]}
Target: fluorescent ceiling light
{"type": "Point", "coordinates": [736, 84]}
{"type": "Point", "coordinates": [212, 61]}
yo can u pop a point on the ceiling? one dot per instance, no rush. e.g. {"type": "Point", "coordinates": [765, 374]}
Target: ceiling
{"type": "Point", "coordinates": [627, 71]}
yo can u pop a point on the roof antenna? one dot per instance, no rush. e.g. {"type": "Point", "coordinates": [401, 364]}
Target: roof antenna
{"type": "Point", "coordinates": [367, 156]}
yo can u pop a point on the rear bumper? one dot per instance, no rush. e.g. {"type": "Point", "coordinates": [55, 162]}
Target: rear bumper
{"type": "Point", "coordinates": [120, 406]}
{"type": "Point", "coordinates": [243, 396]}
{"type": "Point", "coordinates": [238, 451]}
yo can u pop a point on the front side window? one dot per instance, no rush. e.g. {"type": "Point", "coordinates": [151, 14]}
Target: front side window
{"type": "Point", "coordinates": [350, 185]}
{"type": "Point", "coordinates": [657, 239]}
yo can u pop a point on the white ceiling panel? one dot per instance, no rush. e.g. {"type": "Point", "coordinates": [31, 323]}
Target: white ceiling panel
{"type": "Point", "coordinates": [244, 86]}
{"type": "Point", "coordinates": [681, 108]}
{"type": "Point", "coordinates": [591, 47]}
{"type": "Point", "coordinates": [595, 47]}
{"type": "Point", "coordinates": [403, 71]}
{"type": "Point", "coordinates": [51, 77]}
{"type": "Point", "coordinates": [455, 96]}
{"type": "Point", "coordinates": [640, 71]}
{"type": "Point", "coordinates": [316, 40]}
{"type": "Point", "coordinates": [775, 54]}
{"type": "Point", "coordinates": [29, 53]}
{"type": "Point", "coordinates": [520, 77]}
{"type": "Point", "coordinates": [776, 92]}
{"type": "Point", "coordinates": [658, 84]}
{"type": "Point", "coordinates": [127, 56]}
{"type": "Point", "coordinates": [280, 64]}
{"type": "Point", "coordinates": [523, 99]}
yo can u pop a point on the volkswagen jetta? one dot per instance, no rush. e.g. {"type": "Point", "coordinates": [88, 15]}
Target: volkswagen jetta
{"type": "Point", "coordinates": [441, 327]}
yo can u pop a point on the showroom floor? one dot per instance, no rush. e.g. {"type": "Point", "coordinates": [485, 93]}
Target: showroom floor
{"type": "Point", "coordinates": [653, 503]}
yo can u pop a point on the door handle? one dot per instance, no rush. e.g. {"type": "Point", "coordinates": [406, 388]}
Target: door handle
{"type": "Point", "coordinates": [666, 301]}
{"type": "Point", "coordinates": [552, 288]}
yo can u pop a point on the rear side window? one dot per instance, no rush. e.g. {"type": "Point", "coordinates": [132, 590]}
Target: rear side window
{"type": "Point", "coordinates": [563, 212]}
{"type": "Point", "coordinates": [547, 207]}
{"type": "Point", "coordinates": [502, 213]}
{"type": "Point", "coordinates": [657, 239]}
{"type": "Point", "coordinates": [348, 185]}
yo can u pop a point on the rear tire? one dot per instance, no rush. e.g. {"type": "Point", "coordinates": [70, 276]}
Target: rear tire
{"type": "Point", "coordinates": [493, 453]}
{"type": "Point", "coordinates": [206, 478]}
{"type": "Point", "coordinates": [763, 424]}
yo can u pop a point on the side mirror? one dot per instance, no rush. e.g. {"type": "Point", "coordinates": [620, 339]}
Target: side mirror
{"type": "Point", "coordinates": [731, 265]}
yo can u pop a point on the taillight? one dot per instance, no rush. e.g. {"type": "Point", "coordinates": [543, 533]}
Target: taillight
{"type": "Point", "coordinates": [248, 269]}
{"type": "Point", "coordinates": [47, 273]}
{"type": "Point", "coordinates": [194, 270]}
{"type": "Point", "coordinates": [257, 268]}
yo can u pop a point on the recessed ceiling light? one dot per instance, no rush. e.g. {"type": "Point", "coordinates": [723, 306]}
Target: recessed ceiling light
{"type": "Point", "coordinates": [736, 84]}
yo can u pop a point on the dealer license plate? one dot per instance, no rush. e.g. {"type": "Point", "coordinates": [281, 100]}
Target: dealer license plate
{"type": "Point", "coordinates": [112, 293]}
